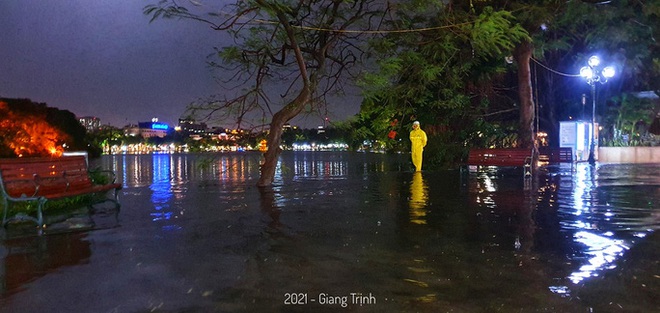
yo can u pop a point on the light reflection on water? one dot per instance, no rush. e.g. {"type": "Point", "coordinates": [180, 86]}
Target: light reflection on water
{"type": "Point", "coordinates": [161, 187]}
{"type": "Point", "coordinates": [342, 222]}
{"type": "Point", "coordinates": [419, 195]}
{"type": "Point", "coordinates": [603, 220]}
{"type": "Point", "coordinates": [602, 253]}
{"type": "Point", "coordinates": [315, 165]}
{"type": "Point", "coordinates": [577, 195]}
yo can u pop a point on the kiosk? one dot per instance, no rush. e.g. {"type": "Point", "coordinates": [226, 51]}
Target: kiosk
{"type": "Point", "coordinates": [577, 135]}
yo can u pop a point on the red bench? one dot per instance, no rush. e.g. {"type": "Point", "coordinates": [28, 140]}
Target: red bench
{"type": "Point", "coordinates": [41, 179]}
{"type": "Point", "coordinates": [502, 157]}
{"type": "Point", "coordinates": [556, 155]}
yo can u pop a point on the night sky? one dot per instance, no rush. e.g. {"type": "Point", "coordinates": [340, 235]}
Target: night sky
{"type": "Point", "coordinates": [103, 58]}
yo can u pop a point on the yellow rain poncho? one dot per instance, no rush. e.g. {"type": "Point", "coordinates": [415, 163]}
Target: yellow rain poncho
{"type": "Point", "coordinates": [418, 142]}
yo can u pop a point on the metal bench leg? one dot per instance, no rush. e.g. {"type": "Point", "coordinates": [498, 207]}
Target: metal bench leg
{"type": "Point", "coordinates": [5, 209]}
{"type": "Point", "coordinates": [528, 167]}
{"type": "Point", "coordinates": [40, 214]}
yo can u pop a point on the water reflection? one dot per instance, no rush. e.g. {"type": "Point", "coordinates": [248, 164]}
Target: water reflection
{"type": "Point", "coordinates": [601, 252]}
{"type": "Point", "coordinates": [23, 260]}
{"type": "Point", "coordinates": [419, 195]}
{"type": "Point", "coordinates": [271, 204]}
{"type": "Point", "coordinates": [598, 218]}
{"type": "Point", "coordinates": [307, 165]}
{"type": "Point", "coordinates": [603, 221]}
{"type": "Point", "coordinates": [342, 222]}
{"type": "Point", "coordinates": [505, 203]}
{"type": "Point", "coordinates": [161, 188]}
{"type": "Point", "coordinates": [140, 170]}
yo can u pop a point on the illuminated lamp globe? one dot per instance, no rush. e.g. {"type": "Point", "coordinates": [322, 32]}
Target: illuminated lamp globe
{"type": "Point", "coordinates": [608, 72]}
{"type": "Point", "coordinates": [586, 72]}
{"type": "Point", "coordinates": [594, 61]}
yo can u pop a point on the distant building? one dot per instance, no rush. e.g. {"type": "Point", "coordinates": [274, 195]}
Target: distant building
{"type": "Point", "coordinates": [190, 127]}
{"type": "Point", "coordinates": [153, 129]}
{"type": "Point", "coordinates": [131, 130]}
{"type": "Point", "coordinates": [219, 133]}
{"type": "Point", "coordinates": [91, 123]}
{"type": "Point", "coordinates": [288, 126]}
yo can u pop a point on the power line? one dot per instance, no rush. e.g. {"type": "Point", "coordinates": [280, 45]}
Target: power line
{"type": "Point", "coordinates": [554, 71]}
{"type": "Point", "coordinates": [395, 31]}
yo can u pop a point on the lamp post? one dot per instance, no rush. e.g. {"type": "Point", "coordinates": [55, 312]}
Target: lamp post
{"type": "Point", "coordinates": [594, 74]}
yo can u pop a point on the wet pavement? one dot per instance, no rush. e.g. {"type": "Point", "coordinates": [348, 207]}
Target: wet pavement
{"type": "Point", "coordinates": [352, 232]}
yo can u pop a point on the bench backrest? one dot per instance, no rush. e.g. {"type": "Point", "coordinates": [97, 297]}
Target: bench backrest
{"type": "Point", "coordinates": [556, 155]}
{"type": "Point", "coordinates": [21, 175]}
{"type": "Point", "coordinates": [500, 157]}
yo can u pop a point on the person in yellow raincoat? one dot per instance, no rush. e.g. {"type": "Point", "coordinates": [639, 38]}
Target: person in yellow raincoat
{"type": "Point", "coordinates": [418, 142]}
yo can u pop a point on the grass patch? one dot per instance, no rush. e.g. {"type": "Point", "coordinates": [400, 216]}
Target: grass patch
{"type": "Point", "coordinates": [53, 207]}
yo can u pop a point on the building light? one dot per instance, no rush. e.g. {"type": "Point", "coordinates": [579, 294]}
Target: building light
{"type": "Point", "coordinates": [159, 126]}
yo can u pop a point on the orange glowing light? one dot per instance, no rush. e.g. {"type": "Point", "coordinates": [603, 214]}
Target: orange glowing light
{"type": "Point", "coordinates": [263, 145]}
{"type": "Point", "coordinates": [29, 135]}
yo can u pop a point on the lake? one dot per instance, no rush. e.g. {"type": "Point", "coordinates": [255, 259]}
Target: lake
{"type": "Point", "coordinates": [341, 231]}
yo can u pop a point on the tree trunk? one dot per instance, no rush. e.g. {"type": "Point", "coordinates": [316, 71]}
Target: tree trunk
{"type": "Point", "coordinates": [274, 137]}
{"type": "Point", "coordinates": [523, 55]}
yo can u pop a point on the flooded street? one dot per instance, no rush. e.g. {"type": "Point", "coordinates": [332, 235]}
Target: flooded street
{"type": "Point", "coordinates": [347, 232]}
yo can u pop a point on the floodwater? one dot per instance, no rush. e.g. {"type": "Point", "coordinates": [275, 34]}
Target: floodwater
{"type": "Point", "coordinates": [346, 232]}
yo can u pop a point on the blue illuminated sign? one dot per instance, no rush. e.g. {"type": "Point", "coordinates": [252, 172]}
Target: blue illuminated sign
{"type": "Point", "coordinates": [159, 126]}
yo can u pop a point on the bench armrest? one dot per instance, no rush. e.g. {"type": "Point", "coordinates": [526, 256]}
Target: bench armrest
{"type": "Point", "coordinates": [32, 182]}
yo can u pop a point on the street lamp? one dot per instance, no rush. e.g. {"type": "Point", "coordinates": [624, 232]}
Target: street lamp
{"type": "Point", "coordinates": [594, 74]}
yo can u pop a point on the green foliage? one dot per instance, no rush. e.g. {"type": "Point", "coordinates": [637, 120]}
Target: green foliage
{"type": "Point", "coordinates": [625, 32]}
{"type": "Point", "coordinates": [495, 33]}
{"type": "Point", "coordinates": [628, 122]}
{"type": "Point", "coordinates": [61, 127]}
{"type": "Point", "coordinates": [442, 77]}
{"type": "Point", "coordinates": [60, 206]}
{"type": "Point", "coordinates": [99, 176]}
{"type": "Point", "coordinates": [230, 54]}
{"type": "Point", "coordinates": [165, 11]}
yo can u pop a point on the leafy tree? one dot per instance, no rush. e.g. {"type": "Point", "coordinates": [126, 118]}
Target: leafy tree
{"type": "Point", "coordinates": [623, 33]}
{"type": "Point", "coordinates": [441, 74]}
{"type": "Point", "coordinates": [307, 46]}
{"type": "Point", "coordinates": [290, 136]}
{"type": "Point", "coordinates": [626, 120]}
{"type": "Point", "coordinates": [561, 32]}
{"type": "Point", "coordinates": [34, 129]}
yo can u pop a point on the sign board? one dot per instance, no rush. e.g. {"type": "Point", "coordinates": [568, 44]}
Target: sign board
{"type": "Point", "coordinates": [577, 136]}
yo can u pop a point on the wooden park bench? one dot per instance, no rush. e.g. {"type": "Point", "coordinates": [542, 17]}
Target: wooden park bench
{"type": "Point", "coordinates": [39, 180]}
{"type": "Point", "coordinates": [510, 157]}
{"type": "Point", "coordinates": [556, 156]}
